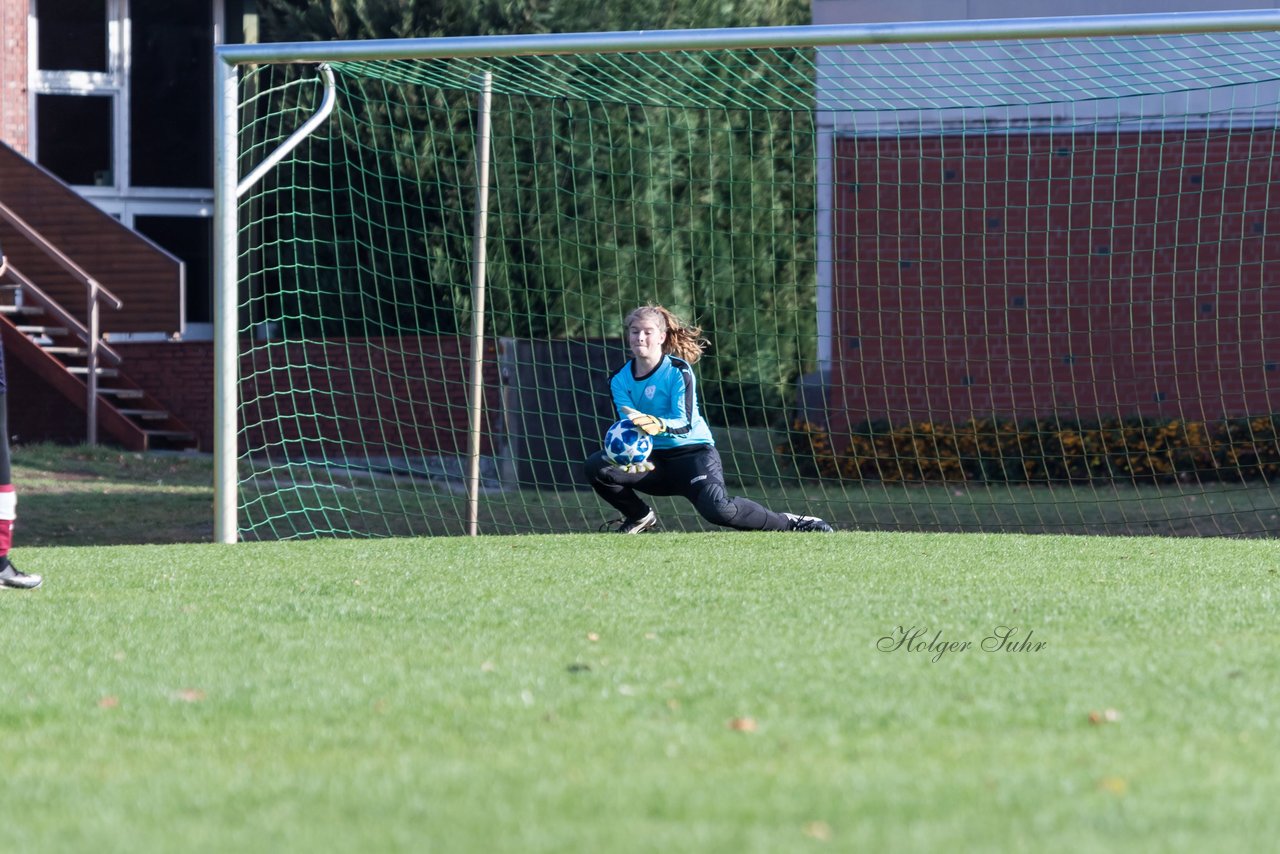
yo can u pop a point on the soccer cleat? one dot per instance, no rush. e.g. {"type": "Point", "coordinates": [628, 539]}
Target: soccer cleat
{"type": "Point", "coordinates": [634, 526]}
{"type": "Point", "coordinates": [11, 576]}
{"type": "Point", "coordinates": [808, 524]}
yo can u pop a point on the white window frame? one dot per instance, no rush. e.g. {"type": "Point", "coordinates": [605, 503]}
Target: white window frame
{"type": "Point", "coordinates": [120, 198]}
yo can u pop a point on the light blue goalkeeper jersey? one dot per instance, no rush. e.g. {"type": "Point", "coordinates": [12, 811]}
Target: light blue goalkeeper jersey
{"type": "Point", "coordinates": [669, 391]}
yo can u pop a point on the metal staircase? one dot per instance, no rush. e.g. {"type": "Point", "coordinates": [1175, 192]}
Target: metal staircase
{"type": "Point", "coordinates": [68, 263]}
{"type": "Point", "coordinates": [72, 359]}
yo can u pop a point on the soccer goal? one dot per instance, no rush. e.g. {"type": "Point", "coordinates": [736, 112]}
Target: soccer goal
{"type": "Point", "coordinates": [1008, 275]}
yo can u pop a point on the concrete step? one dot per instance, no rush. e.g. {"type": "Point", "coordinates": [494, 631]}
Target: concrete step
{"type": "Point", "coordinates": [146, 414]}
{"type": "Point", "coordinates": [22, 310]}
{"type": "Point", "coordinates": [172, 435]}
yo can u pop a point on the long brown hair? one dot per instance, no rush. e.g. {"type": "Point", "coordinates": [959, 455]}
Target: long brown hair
{"type": "Point", "coordinates": [683, 339]}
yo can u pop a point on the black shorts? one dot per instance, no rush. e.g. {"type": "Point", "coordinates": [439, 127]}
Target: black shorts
{"type": "Point", "coordinates": [682, 471]}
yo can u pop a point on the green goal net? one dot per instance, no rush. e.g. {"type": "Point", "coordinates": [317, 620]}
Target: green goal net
{"type": "Point", "coordinates": [1018, 284]}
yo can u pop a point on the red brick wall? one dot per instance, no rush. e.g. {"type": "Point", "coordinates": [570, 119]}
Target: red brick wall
{"type": "Point", "coordinates": [1085, 276]}
{"type": "Point", "coordinates": [385, 395]}
{"type": "Point", "coordinates": [179, 374]}
{"type": "Point", "coordinates": [13, 73]}
{"type": "Point", "coordinates": [39, 414]}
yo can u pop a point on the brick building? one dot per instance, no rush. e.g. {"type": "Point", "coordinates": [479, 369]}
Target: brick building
{"type": "Point", "coordinates": [106, 118]}
{"type": "Point", "coordinates": [1101, 256]}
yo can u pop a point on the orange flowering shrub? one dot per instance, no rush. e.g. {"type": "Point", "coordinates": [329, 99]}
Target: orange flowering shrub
{"type": "Point", "coordinates": [1040, 451]}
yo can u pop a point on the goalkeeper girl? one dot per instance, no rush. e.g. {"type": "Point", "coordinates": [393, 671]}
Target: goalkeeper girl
{"type": "Point", "coordinates": [657, 391]}
{"type": "Point", "coordinates": [10, 576]}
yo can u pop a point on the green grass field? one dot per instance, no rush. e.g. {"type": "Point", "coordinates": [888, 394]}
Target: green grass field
{"type": "Point", "coordinates": [673, 692]}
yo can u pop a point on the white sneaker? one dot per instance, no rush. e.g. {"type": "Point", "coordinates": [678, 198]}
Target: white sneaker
{"type": "Point", "coordinates": [808, 524]}
{"type": "Point", "coordinates": [635, 526]}
{"type": "Point", "coordinates": [11, 576]}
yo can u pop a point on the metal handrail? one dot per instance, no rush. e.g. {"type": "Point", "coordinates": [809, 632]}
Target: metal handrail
{"type": "Point", "coordinates": [95, 295]}
{"type": "Point", "coordinates": [61, 315]}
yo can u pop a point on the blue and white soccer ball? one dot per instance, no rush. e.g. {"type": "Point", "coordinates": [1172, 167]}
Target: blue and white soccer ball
{"type": "Point", "coordinates": [625, 444]}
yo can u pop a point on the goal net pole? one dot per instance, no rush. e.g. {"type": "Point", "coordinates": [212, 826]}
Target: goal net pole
{"type": "Point", "coordinates": [480, 234]}
{"type": "Point", "coordinates": [226, 372]}
{"type": "Point", "coordinates": [226, 288]}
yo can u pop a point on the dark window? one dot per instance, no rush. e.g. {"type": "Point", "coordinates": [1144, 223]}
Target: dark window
{"type": "Point", "coordinates": [72, 35]}
{"type": "Point", "coordinates": [191, 239]}
{"type": "Point", "coordinates": [73, 137]}
{"type": "Point", "coordinates": [171, 94]}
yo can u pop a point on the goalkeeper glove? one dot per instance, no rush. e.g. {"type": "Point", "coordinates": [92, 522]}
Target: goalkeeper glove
{"type": "Point", "coordinates": [637, 468]}
{"type": "Point", "coordinates": [651, 424]}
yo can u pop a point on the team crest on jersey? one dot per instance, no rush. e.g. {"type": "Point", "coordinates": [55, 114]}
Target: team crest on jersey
{"type": "Point", "coordinates": [649, 392]}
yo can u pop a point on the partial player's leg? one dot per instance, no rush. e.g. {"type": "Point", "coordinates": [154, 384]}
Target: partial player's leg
{"type": "Point", "coordinates": [708, 494]}
{"type": "Point", "coordinates": [618, 489]}
{"type": "Point", "coordinates": [10, 575]}
{"type": "Point", "coordinates": [713, 502]}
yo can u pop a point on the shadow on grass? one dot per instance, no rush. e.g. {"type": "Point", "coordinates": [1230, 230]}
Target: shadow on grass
{"type": "Point", "coordinates": [95, 496]}
{"type": "Point", "coordinates": [80, 495]}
